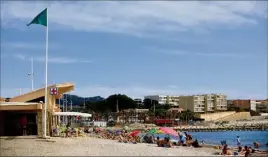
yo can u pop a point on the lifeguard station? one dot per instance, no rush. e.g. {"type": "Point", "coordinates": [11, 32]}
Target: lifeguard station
{"type": "Point", "coordinates": [31, 106]}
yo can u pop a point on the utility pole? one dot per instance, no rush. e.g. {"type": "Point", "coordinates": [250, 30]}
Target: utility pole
{"type": "Point", "coordinates": [117, 107]}
{"type": "Point", "coordinates": [154, 108]}
{"type": "Point", "coordinates": [71, 101]}
{"type": "Point", "coordinates": [32, 74]}
{"type": "Point", "coordinates": [84, 103]}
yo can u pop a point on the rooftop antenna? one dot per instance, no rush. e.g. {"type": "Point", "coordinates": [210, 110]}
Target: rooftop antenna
{"type": "Point", "coordinates": [32, 74]}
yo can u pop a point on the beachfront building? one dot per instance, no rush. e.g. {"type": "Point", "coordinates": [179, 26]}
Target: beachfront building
{"type": "Point", "coordinates": [162, 99]}
{"type": "Point", "coordinates": [29, 109]}
{"type": "Point", "coordinates": [220, 102]}
{"type": "Point", "coordinates": [242, 104]}
{"type": "Point", "coordinates": [132, 116]}
{"type": "Point", "coordinates": [204, 103]}
{"type": "Point", "coordinates": [173, 100]}
{"type": "Point", "coordinates": [253, 105]}
{"type": "Point", "coordinates": [138, 101]}
{"type": "Point", "coordinates": [262, 106]}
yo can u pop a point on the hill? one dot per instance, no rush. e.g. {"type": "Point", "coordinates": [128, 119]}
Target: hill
{"type": "Point", "coordinates": [77, 100]}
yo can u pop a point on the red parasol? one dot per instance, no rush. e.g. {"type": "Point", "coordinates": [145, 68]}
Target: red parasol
{"type": "Point", "coordinates": [134, 133]}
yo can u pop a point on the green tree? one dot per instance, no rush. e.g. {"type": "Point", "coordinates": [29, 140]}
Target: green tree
{"type": "Point", "coordinates": [124, 102]}
{"type": "Point", "coordinates": [109, 104]}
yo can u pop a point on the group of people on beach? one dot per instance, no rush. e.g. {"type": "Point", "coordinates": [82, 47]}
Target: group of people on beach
{"type": "Point", "coordinates": [246, 150]}
{"type": "Point", "coordinates": [185, 139]}
{"type": "Point", "coordinates": [123, 136]}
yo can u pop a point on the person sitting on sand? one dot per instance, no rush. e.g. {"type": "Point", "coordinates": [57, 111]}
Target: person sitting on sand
{"type": "Point", "coordinates": [158, 141]}
{"type": "Point", "coordinates": [182, 139]}
{"type": "Point", "coordinates": [256, 145]}
{"type": "Point", "coordinates": [240, 149]}
{"type": "Point", "coordinates": [189, 142]}
{"type": "Point", "coordinates": [246, 151]}
{"type": "Point", "coordinates": [226, 151]}
{"type": "Point", "coordinates": [167, 143]}
{"type": "Point", "coordinates": [195, 144]}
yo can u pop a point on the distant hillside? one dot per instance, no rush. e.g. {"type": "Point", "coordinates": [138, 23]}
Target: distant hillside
{"type": "Point", "coordinates": [77, 101]}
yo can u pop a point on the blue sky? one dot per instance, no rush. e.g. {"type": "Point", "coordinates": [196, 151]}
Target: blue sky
{"type": "Point", "coordinates": [138, 48]}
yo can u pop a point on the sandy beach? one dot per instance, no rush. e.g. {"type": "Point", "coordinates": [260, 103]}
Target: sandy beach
{"type": "Point", "coordinates": [88, 146]}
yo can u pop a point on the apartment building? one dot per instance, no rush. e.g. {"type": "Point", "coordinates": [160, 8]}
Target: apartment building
{"type": "Point", "coordinates": [253, 105]}
{"type": "Point", "coordinates": [262, 106]}
{"type": "Point", "coordinates": [243, 104]}
{"type": "Point", "coordinates": [204, 103]}
{"type": "Point", "coordinates": [173, 100]}
{"type": "Point", "coordinates": [220, 102]}
{"type": "Point", "coordinates": [162, 99]}
{"type": "Point", "coordinates": [139, 102]}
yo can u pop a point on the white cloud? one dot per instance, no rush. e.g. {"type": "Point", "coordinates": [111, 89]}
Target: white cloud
{"type": "Point", "coordinates": [24, 45]}
{"type": "Point", "coordinates": [58, 60]}
{"type": "Point", "coordinates": [189, 53]}
{"type": "Point", "coordinates": [140, 18]}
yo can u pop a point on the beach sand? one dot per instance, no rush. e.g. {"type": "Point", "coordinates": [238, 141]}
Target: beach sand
{"type": "Point", "coordinates": [87, 146]}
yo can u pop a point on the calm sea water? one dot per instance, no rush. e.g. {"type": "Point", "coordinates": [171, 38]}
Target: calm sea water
{"type": "Point", "coordinates": [247, 137]}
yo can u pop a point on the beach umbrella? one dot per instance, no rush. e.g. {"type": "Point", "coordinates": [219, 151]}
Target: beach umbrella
{"type": "Point", "coordinates": [134, 133]}
{"type": "Point", "coordinates": [169, 131]}
{"type": "Point", "coordinates": [153, 131]}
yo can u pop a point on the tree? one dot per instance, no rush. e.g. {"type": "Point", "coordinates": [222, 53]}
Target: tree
{"type": "Point", "coordinates": [124, 102]}
{"type": "Point", "coordinates": [254, 113]}
{"type": "Point", "coordinates": [109, 104]}
{"type": "Point", "coordinates": [187, 115]}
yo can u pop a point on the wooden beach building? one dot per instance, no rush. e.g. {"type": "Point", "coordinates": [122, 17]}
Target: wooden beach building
{"type": "Point", "coordinates": [31, 107]}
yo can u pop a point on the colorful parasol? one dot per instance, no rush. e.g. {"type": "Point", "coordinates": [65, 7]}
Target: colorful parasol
{"type": "Point", "coordinates": [134, 133]}
{"type": "Point", "coordinates": [169, 131]}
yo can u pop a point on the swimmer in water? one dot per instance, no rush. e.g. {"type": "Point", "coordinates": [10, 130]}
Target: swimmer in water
{"type": "Point", "coordinates": [256, 144]}
{"type": "Point", "coordinates": [238, 141]}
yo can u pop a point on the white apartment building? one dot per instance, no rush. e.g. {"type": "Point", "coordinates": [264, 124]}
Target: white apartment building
{"type": "Point", "coordinates": [204, 103]}
{"type": "Point", "coordinates": [253, 105]}
{"type": "Point", "coordinates": [162, 99]}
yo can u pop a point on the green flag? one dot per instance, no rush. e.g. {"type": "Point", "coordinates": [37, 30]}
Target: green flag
{"type": "Point", "coordinates": [40, 19]}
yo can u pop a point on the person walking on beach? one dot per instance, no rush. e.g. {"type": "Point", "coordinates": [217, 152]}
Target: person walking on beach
{"type": "Point", "coordinates": [238, 141]}
{"type": "Point", "coordinates": [23, 123]}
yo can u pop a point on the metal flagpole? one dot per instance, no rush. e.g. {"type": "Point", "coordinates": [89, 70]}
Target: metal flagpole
{"type": "Point", "coordinates": [46, 103]}
{"type": "Point", "coordinates": [71, 101]}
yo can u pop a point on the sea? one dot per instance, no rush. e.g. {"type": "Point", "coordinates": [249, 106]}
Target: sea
{"type": "Point", "coordinates": [215, 138]}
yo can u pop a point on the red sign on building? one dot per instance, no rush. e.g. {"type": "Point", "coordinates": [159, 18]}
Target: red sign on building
{"type": "Point", "coordinates": [54, 91]}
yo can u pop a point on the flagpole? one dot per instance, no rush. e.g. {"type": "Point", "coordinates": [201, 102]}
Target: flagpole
{"type": "Point", "coordinates": [46, 103]}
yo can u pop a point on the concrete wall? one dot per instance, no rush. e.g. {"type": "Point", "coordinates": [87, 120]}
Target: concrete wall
{"type": "Point", "coordinates": [236, 116]}
{"type": "Point", "coordinates": [215, 116]}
